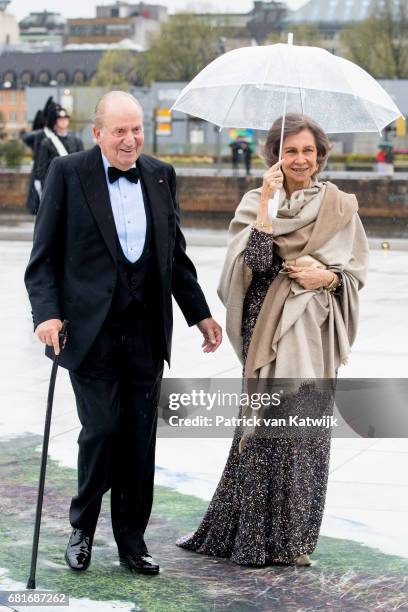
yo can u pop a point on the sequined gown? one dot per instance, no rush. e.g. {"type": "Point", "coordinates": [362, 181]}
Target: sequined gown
{"type": "Point", "coordinates": [269, 503]}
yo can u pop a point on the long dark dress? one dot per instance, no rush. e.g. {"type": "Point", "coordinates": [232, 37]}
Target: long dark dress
{"type": "Point", "coordinates": [269, 503]}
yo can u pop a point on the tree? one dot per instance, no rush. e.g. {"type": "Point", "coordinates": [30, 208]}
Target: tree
{"type": "Point", "coordinates": [379, 43]}
{"type": "Point", "coordinates": [2, 126]}
{"type": "Point", "coordinates": [183, 46]}
{"type": "Point", "coordinates": [13, 153]}
{"type": "Point", "coordinates": [119, 69]}
{"type": "Point", "coordinates": [303, 34]}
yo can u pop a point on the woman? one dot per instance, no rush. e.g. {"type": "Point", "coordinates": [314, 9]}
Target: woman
{"type": "Point", "coordinates": [290, 289]}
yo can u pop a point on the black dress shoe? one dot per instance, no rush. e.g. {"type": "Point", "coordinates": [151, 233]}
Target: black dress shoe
{"type": "Point", "coordinates": [141, 563]}
{"type": "Point", "coordinates": [79, 549]}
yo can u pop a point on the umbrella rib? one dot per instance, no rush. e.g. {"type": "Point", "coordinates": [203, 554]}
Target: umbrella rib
{"type": "Point", "coordinates": [261, 91]}
{"type": "Point", "coordinates": [268, 64]}
{"type": "Point", "coordinates": [371, 115]}
{"type": "Point", "coordinates": [277, 84]}
{"type": "Point", "coordinates": [230, 106]}
{"type": "Point", "coordinates": [363, 100]}
{"type": "Point", "coordinates": [301, 101]}
{"type": "Point", "coordinates": [283, 124]}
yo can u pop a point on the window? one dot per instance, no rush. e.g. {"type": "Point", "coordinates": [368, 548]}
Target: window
{"type": "Point", "coordinates": [61, 77]}
{"type": "Point", "coordinates": [44, 77]}
{"type": "Point", "coordinates": [12, 116]}
{"type": "Point", "coordinates": [26, 77]}
{"type": "Point", "coordinates": [9, 76]}
{"type": "Point", "coordinates": [79, 77]}
{"type": "Point", "coordinates": [364, 9]}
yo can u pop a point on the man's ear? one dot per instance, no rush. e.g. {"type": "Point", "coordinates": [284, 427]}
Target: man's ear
{"type": "Point", "coordinates": [96, 132]}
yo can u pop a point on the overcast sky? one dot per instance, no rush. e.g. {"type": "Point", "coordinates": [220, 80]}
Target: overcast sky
{"type": "Point", "coordinates": [86, 8]}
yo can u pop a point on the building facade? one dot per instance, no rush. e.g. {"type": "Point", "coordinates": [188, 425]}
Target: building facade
{"type": "Point", "coordinates": [266, 18]}
{"type": "Point", "coordinates": [42, 69]}
{"type": "Point", "coordinates": [117, 22]}
{"type": "Point", "coordinates": [13, 111]}
{"type": "Point", "coordinates": [262, 20]}
{"type": "Point", "coordinates": [156, 12]}
{"type": "Point", "coordinates": [97, 30]}
{"type": "Point", "coordinates": [9, 33]}
{"type": "Point", "coordinates": [43, 28]}
{"type": "Point", "coordinates": [110, 30]}
{"type": "Point", "coordinates": [181, 134]}
{"type": "Point", "coordinates": [331, 16]}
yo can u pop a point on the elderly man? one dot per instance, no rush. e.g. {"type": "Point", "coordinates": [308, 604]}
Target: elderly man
{"type": "Point", "coordinates": [108, 254]}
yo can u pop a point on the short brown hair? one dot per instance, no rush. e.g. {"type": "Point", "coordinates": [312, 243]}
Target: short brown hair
{"type": "Point", "coordinates": [295, 123]}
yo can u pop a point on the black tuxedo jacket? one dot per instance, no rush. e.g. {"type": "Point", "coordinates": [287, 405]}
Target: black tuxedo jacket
{"type": "Point", "coordinates": [73, 265]}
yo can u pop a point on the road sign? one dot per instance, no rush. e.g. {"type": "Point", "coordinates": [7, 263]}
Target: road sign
{"type": "Point", "coordinates": [163, 122]}
{"type": "Point", "coordinates": [401, 126]}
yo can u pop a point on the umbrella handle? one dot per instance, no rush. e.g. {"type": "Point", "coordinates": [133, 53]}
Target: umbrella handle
{"type": "Point", "coordinates": [273, 205]}
{"type": "Point", "coordinates": [274, 202]}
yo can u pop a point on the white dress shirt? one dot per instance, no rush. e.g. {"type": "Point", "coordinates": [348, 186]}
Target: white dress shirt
{"type": "Point", "coordinates": [129, 214]}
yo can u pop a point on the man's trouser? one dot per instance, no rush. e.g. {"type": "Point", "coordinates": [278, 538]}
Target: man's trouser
{"type": "Point", "coordinates": [117, 389]}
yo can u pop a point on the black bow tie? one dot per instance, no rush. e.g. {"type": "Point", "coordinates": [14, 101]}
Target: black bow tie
{"type": "Point", "coordinates": [131, 175]}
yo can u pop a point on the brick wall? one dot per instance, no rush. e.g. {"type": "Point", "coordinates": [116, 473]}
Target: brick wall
{"type": "Point", "coordinates": [377, 197]}
{"type": "Point", "coordinates": [211, 201]}
{"type": "Point", "coordinates": [13, 191]}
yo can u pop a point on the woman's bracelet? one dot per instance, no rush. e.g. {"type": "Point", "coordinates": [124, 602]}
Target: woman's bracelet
{"type": "Point", "coordinates": [262, 225]}
{"type": "Point", "coordinates": [332, 286]}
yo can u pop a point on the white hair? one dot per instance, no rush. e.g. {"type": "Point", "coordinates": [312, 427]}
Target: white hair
{"type": "Point", "coordinates": [101, 104]}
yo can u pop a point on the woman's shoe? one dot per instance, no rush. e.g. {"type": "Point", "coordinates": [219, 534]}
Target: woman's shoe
{"type": "Point", "coordinates": [303, 561]}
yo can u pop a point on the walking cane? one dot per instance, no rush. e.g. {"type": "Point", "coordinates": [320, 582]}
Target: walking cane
{"type": "Point", "coordinates": [62, 339]}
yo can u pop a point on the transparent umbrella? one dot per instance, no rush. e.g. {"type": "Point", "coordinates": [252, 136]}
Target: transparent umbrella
{"type": "Point", "coordinates": [252, 86]}
{"type": "Point", "coordinates": [247, 88]}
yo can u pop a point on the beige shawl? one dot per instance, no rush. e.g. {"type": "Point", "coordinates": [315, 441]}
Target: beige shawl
{"type": "Point", "coordinates": [299, 333]}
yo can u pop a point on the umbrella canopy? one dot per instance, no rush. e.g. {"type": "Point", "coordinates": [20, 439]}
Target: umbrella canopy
{"type": "Point", "coordinates": [250, 87]}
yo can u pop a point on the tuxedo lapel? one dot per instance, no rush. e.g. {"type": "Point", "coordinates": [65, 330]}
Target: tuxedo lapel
{"type": "Point", "coordinates": [154, 182]}
{"type": "Point", "coordinates": [93, 180]}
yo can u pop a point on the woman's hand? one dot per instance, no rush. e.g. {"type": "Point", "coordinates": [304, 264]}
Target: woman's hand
{"type": "Point", "coordinates": [310, 277]}
{"type": "Point", "coordinates": [272, 181]}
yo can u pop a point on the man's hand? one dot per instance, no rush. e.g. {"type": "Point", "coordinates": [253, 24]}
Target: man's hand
{"type": "Point", "coordinates": [310, 277]}
{"type": "Point", "coordinates": [48, 331]}
{"type": "Point", "coordinates": [212, 333]}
